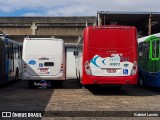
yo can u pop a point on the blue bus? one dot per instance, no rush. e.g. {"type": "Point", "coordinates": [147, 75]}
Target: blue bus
{"type": "Point", "coordinates": [149, 61]}
{"type": "Point", "coordinates": [10, 60]}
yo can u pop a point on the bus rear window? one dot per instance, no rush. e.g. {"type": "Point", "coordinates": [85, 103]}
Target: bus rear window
{"type": "Point", "coordinates": [45, 47]}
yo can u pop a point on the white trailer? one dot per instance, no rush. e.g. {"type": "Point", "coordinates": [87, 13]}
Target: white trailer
{"type": "Point", "coordinates": [43, 59]}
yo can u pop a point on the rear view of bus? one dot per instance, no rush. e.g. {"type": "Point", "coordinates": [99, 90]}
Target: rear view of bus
{"type": "Point", "coordinates": [43, 59]}
{"type": "Point", "coordinates": [109, 55]}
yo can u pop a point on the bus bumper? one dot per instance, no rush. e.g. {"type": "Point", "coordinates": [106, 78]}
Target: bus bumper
{"type": "Point", "coordinates": [86, 79]}
{"type": "Point", "coordinates": [44, 77]}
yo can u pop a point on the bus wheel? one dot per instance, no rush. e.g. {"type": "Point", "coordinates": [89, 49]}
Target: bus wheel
{"type": "Point", "coordinates": [79, 82]}
{"type": "Point", "coordinates": [31, 84]}
{"type": "Point", "coordinates": [59, 83]}
{"type": "Point", "coordinates": [77, 75]}
{"type": "Point", "coordinates": [16, 75]}
{"type": "Point", "coordinates": [141, 81]}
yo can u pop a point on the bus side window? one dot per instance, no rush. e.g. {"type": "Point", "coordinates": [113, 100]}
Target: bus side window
{"type": "Point", "coordinates": [16, 51]}
{"type": "Point", "coordinates": [144, 48]}
{"type": "Point", "coordinates": [147, 50]}
{"type": "Point", "coordinates": [154, 49]}
{"type": "Point", "coordinates": [157, 49]}
{"type": "Point", "coordinates": [10, 51]}
{"type": "Point", "coordinates": [20, 52]}
{"type": "Point", "coordinates": [6, 47]}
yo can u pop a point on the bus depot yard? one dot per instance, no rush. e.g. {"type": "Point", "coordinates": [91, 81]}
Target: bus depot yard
{"type": "Point", "coordinates": [18, 97]}
{"type": "Point", "coordinates": [106, 64]}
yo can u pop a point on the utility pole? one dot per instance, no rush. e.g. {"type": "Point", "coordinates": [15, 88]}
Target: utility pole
{"type": "Point", "coordinates": [150, 25]}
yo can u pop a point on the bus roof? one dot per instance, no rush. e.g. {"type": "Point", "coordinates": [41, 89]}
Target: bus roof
{"type": "Point", "coordinates": [146, 37]}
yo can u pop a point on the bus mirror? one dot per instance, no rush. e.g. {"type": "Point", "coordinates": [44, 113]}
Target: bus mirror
{"type": "Point", "coordinates": [140, 54]}
{"type": "Point", "coordinates": [75, 53]}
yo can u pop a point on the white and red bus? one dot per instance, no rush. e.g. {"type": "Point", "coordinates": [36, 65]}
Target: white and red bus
{"type": "Point", "coordinates": [107, 55]}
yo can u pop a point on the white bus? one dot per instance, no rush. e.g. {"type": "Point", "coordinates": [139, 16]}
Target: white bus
{"type": "Point", "coordinates": [43, 60]}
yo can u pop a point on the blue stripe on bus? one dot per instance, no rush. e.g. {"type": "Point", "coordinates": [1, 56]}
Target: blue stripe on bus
{"type": "Point", "coordinates": [151, 78]}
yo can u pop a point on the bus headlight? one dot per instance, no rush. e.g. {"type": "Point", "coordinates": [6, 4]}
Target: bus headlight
{"type": "Point", "coordinates": [87, 68]}
{"type": "Point", "coordinates": [134, 69]}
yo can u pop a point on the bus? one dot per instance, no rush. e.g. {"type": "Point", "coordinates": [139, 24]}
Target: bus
{"type": "Point", "coordinates": [11, 58]}
{"type": "Point", "coordinates": [107, 55]}
{"type": "Point", "coordinates": [43, 60]}
{"type": "Point", "coordinates": [149, 61]}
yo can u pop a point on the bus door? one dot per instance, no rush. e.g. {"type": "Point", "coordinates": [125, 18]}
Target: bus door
{"type": "Point", "coordinates": [10, 62]}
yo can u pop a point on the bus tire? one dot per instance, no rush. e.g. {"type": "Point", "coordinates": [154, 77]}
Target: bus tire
{"type": "Point", "coordinates": [31, 84]}
{"type": "Point", "coordinates": [141, 81]}
{"type": "Point", "coordinates": [78, 80]}
{"type": "Point", "coordinates": [60, 83]}
{"type": "Point", "coordinates": [16, 75]}
{"type": "Point", "coordinates": [76, 75]}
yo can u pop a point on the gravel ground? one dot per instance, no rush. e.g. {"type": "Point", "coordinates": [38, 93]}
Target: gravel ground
{"type": "Point", "coordinates": [18, 97]}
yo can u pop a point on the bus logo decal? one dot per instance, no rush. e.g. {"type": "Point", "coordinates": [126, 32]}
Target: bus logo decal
{"type": "Point", "coordinates": [32, 62]}
{"type": "Point", "coordinates": [125, 71]}
{"type": "Point", "coordinates": [103, 61]}
{"type": "Point", "coordinates": [93, 61]}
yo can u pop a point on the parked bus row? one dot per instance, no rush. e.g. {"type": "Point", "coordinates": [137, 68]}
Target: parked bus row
{"type": "Point", "coordinates": [104, 55]}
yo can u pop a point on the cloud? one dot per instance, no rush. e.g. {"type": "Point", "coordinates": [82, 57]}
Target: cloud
{"type": "Point", "coordinates": [74, 7]}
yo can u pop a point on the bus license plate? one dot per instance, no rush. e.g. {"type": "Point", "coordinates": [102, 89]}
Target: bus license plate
{"type": "Point", "coordinates": [43, 70]}
{"type": "Point", "coordinates": [111, 70]}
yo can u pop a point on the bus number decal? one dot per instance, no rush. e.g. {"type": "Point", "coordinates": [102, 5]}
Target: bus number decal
{"type": "Point", "coordinates": [114, 64]}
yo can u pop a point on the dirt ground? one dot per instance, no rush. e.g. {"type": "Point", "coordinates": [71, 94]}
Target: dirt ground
{"type": "Point", "coordinates": [18, 97]}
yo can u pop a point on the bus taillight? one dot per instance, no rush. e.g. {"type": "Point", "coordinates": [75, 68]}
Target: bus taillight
{"type": "Point", "coordinates": [134, 69]}
{"type": "Point", "coordinates": [25, 67]}
{"type": "Point", "coordinates": [61, 67]}
{"type": "Point", "coordinates": [87, 68]}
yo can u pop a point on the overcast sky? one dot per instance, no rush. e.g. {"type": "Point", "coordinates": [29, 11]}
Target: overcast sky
{"type": "Point", "coordinates": [73, 7]}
